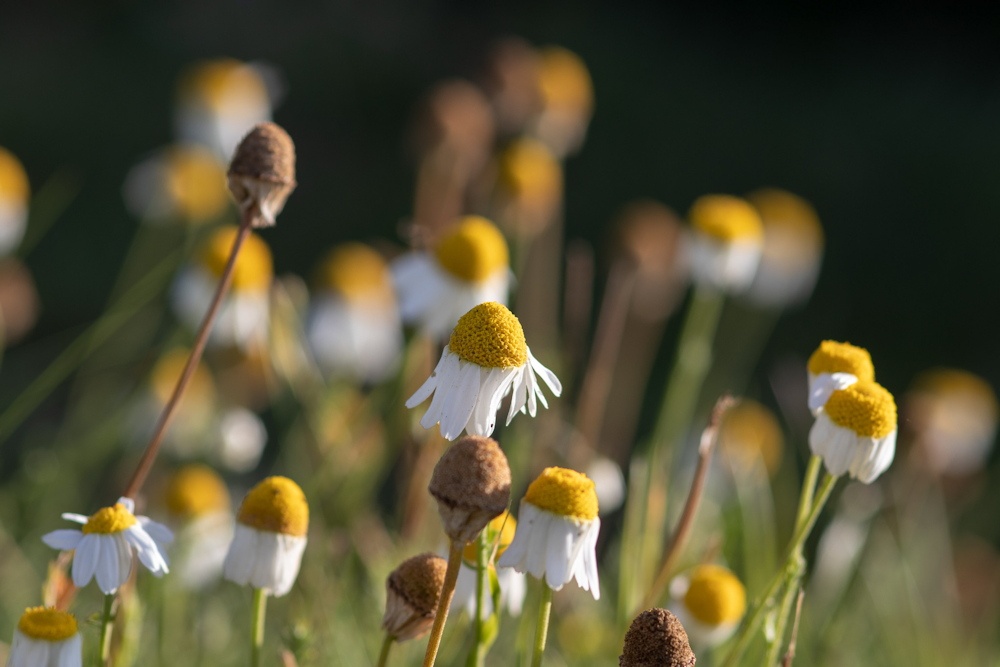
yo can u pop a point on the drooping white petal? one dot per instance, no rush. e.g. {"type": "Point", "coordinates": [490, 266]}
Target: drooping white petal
{"type": "Point", "coordinates": [835, 444]}
{"type": "Point", "coordinates": [64, 539]}
{"type": "Point", "coordinates": [85, 558]}
{"type": "Point", "coordinates": [238, 565]}
{"type": "Point", "coordinates": [76, 518]}
{"type": "Point", "coordinates": [823, 385]}
{"type": "Point", "coordinates": [460, 402]}
{"type": "Point", "coordinates": [558, 557]}
{"type": "Point", "coordinates": [548, 377]}
{"type": "Point", "coordinates": [147, 549]}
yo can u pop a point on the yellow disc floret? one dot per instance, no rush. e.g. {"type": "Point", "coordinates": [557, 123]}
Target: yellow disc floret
{"type": "Point", "coordinates": [276, 505]}
{"type": "Point", "coordinates": [715, 596]}
{"type": "Point", "coordinates": [490, 336]}
{"type": "Point", "coordinates": [865, 407]}
{"type": "Point", "coordinates": [13, 180]}
{"type": "Point", "coordinates": [355, 271]}
{"type": "Point", "coordinates": [253, 270]}
{"type": "Point", "coordinates": [109, 520]}
{"type": "Point", "coordinates": [196, 183]}
{"type": "Point", "coordinates": [218, 83]}
{"type": "Point", "coordinates": [530, 172]}
{"type": "Point", "coordinates": [168, 370]}
{"type": "Point", "coordinates": [564, 492]}
{"type": "Point", "coordinates": [195, 490]}
{"type": "Point", "coordinates": [473, 251]}
{"type": "Point", "coordinates": [834, 357]}
{"type": "Point", "coordinates": [564, 81]}
{"type": "Point", "coordinates": [726, 218]}
{"type": "Point", "coordinates": [47, 623]}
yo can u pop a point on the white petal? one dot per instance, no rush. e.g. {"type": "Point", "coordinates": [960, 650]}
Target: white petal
{"type": "Point", "coordinates": [835, 444]}
{"type": "Point", "coordinates": [291, 548]}
{"type": "Point", "coordinates": [457, 410]}
{"type": "Point", "coordinates": [70, 652]}
{"type": "Point", "coordinates": [518, 394]}
{"type": "Point", "coordinates": [447, 376]}
{"type": "Point", "coordinates": [63, 539]}
{"type": "Point", "coordinates": [559, 549]}
{"type": "Point", "coordinates": [147, 549]}
{"type": "Point", "coordinates": [88, 551]}
{"type": "Point", "coordinates": [823, 385]}
{"type": "Point", "coordinates": [266, 561]}
{"type": "Point", "coordinates": [78, 518]}
{"type": "Point", "coordinates": [239, 562]}
{"type": "Point", "coordinates": [548, 376]}
{"type": "Point", "coordinates": [160, 533]}
{"type": "Point", "coordinates": [109, 572]}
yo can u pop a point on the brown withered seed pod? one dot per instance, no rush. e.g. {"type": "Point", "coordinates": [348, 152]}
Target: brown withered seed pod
{"type": "Point", "coordinates": [656, 639]}
{"type": "Point", "coordinates": [413, 591]}
{"type": "Point", "coordinates": [262, 173]}
{"type": "Point", "coordinates": [471, 483]}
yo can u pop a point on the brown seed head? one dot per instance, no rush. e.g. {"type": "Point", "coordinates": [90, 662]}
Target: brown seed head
{"type": "Point", "coordinates": [471, 483]}
{"type": "Point", "coordinates": [656, 639]}
{"type": "Point", "coordinates": [262, 173]}
{"type": "Point", "coordinates": [412, 593]}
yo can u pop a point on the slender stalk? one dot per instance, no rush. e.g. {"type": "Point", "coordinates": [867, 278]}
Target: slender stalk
{"type": "Point", "coordinates": [444, 604]}
{"type": "Point", "coordinates": [170, 409]}
{"type": "Point", "coordinates": [258, 614]}
{"type": "Point", "coordinates": [790, 653]}
{"type": "Point", "coordinates": [107, 621]}
{"type": "Point", "coordinates": [542, 628]}
{"type": "Point", "coordinates": [383, 656]}
{"type": "Point", "coordinates": [478, 655]}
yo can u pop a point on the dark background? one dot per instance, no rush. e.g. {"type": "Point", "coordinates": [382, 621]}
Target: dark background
{"type": "Point", "coordinates": [887, 120]}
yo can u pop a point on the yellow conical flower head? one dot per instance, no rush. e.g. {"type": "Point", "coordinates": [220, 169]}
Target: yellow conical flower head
{"type": "Point", "coordinates": [473, 251]}
{"type": "Point", "coordinates": [785, 210]}
{"type": "Point", "coordinates": [47, 623]}
{"type": "Point", "coordinates": [834, 357]}
{"type": "Point", "coordinates": [168, 370]}
{"type": "Point", "coordinates": [564, 492]}
{"type": "Point", "coordinates": [276, 505]}
{"type": "Point", "coordinates": [865, 407]}
{"type": "Point", "coordinates": [726, 219]}
{"type": "Point", "coordinates": [13, 179]}
{"type": "Point", "coordinates": [500, 531]}
{"type": "Point", "coordinates": [196, 182]}
{"type": "Point", "coordinates": [530, 172]}
{"type": "Point", "coordinates": [715, 595]}
{"type": "Point", "coordinates": [355, 271]}
{"type": "Point", "coordinates": [196, 490]}
{"type": "Point", "coordinates": [564, 81]}
{"type": "Point", "coordinates": [490, 336]}
{"type": "Point", "coordinates": [109, 520]}
{"type": "Point", "coordinates": [217, 83]}
{"type": "Point", "coordinates": [253, 270]}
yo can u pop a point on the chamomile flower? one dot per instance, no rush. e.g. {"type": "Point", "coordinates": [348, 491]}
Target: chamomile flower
{"type": "Point", "coordinates": [486, 358]}
{"type": "Point", "coordinates": [855, 433]}
{"type": "Point", "coordinates": [710, 602]}
{"type": "Point", "coordinates": [242, 318]}
{"type": "Point", "coordinates": [529, 187]}
{"type": "Point", "coordinates": [270, 537]}
{"type": "Point", "coordinates": [567, 96]}
{"type": "Point", "coordinates": [107, 543]}
{"type": "Point", "coordinates": [353, 326]}
{"type": "Point", "coordinates": [750, 435]}
{"type": "Point", "coordinates": [513, 584]}
{"type": "Point", "coordinates": [836, 366]}
{"type": "Point", "coordinates": [198, 502]}
{"type": "Point", "coordinates": [185, 183]}
{"type": "Point", "coordinates": [46, 637]}
{"type": "Point", "coordinates": [726, 242]}
{"type": "Point", "coordinates": [556, 536]}
{"type": "Point", "coordinates": [468, 266]}
{"type": "Point", "coordinates": [14, 194]}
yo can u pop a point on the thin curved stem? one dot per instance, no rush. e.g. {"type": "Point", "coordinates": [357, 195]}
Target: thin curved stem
{"type": "Point", "coordinates": [542, 627]}
{"type": "Point", "coordinates": [383, 656]}
{"type": "Point", "coordinates": [444, 604]}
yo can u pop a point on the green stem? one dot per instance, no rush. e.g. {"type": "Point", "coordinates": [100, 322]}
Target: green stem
{"type": "Point", "coordinates": [257, 629]}
{"type": "Point", "coordinates": [478, 655]}
{"type": "Point", "coordinates": [444, 603]}
{"type": "Point", "coordinates": [383, 656]}
{"type": "Point", "coordinates": [107, 621]}
{"type": "Point", "coordinates": [766, 601]}
{"type": "Point", "coordinates": [542, 629]}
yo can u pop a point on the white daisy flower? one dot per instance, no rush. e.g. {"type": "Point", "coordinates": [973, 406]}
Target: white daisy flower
{"type": "Point", "coordinates": [243, 316]}
{"type": "Point", "coordinates": [353, 326]}
{"type": "Point", "coordinates": [106, 544]}
{"type": "Point", "coordinates": [468, 266]}
{"type": "Point", "coordinates": [726, 242]}
{"type": "Point", "coordinates": [486, 359]}
{"type": "Point", "coordinates": [836, 366]}
{"type": "Point", "coordinates": [46, 637]}
{"type": "Point", "coordinates": [709, 601]}
{"type": "Point", "coordinates": [270, 537]}
{"type": "Point", "coordinates": [513, 584]}
{"type": "Point", "coordinates": [15, 192]}
{"type": "Point", "coordinates": [185, 183]}
{"type": "Point", "coordinates": [198, 502]}
{"type": "Point", "coordinates": [556, 537]}
{"type": "Point", "coordinates": [856, 431]}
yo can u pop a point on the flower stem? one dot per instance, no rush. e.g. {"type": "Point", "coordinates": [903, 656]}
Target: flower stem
{"type": "Point", "coordinates": [383, 656]}
{"type": "Point", "coordinates": [542, 628]}
{"type": "Point", "coordinates": [478, 655]}
{"type": "Point", "coordinates": [201, 338]}
{"type": "Point", "coordinates": [259, 613]}
{"type": "Point", "coordinates": [444, 604]}
{"type": "Point", "coordinates": [107, 621]}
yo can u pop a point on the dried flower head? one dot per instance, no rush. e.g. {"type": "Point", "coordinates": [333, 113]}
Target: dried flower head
{"type": "Point", "coordinates": [413, 591]}
{"type": "Point", "coordinates": [471, 483]}
{"type": "Point", "coordinates": [262, 173]}
{"type": "Point", "coordinates": [656, 639]}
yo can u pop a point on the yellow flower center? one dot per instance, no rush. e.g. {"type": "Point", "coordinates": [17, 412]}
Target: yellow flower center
{"type": "Point", "coordinates": [196, 183]}
{"type": "Point", "coordinates": [726, 218]}
{"type": "Point", "coordinates": [490, 336]}
{"type": "Point", "coordinates": [253, 270]}
{"type": "Point", "coordinates": [168, 370]}
{"type": "Point", "coordinates": [865, 407]}
{"type": "Point", "coordinates": [355, 271]}
{"type": "Point", "coordinates": [13, 179]}
{"type": "Point", "coordinates": [715, 595]}
{"type": "Point", "coordinates": [530, 172]}
{"type": "Point", "coordinates": [500, 531]}
{"type": "Point", "coordinates": [109, 520]}
{"type": "Point", "coordinates": [220, 82]}
{"type": "Point", "coordinates": [195, 490]}
{"type": "Point", "coordinates": [834, 357]}
{"type": "Point", "coordinates": [782, 209]}
{"type": "Point", "coordinates": [47, 623]}
{"type": "Point", "coordinates": [473, 251]}
{"type": "Point", "coordinates": [749, 430]}
{"type": "Point", "coordinates": [564, 81]}
{"type": "Point", "coordinates": [276, 505]}
{"type": "Point", "coordinates": [565, 492]}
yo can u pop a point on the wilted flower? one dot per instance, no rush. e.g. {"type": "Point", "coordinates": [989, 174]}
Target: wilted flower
{"type": "Point", "coordinates": [726, 242]}
{"type": "Point", "coordinates": [261, 174]}
{"type": "Point", "coordinates": [46, 637]}
{"type": "Point", "coordinates": [836, 366]}
{"type": "Point", "coordinates": [855, 432]}
{"type": "Point", "coordinates": [471, 483]}
{"type": "Point", "coordinates": [710, 602]}
{"type": "Point", "coordinates": [413, 592]}
{"type": "Point", "coordinates": [656, 638]}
